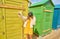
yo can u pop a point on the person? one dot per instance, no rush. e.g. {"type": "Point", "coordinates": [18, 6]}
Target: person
{"type": "Point", "coordinates": [29, 22]}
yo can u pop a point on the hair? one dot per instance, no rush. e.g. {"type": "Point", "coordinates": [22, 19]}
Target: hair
{"type": "Point", "coordinates": [30, 14]}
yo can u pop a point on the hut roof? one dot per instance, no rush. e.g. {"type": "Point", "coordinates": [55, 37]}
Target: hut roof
{"type": "Point", "coordinates": [41, 3]}
{"type": "Point", "coordinates": [57, 6]}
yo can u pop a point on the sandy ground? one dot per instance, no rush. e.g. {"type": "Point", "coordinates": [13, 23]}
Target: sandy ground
{"type": "Point", "coordinates": [53, 35]}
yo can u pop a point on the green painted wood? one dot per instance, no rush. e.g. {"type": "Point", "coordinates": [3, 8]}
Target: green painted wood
{"type": "Point", "coordinates": [43, 19]}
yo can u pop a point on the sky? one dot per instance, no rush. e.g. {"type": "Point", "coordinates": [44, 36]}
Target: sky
{"type": "Point", "coordinates": [54, 1]}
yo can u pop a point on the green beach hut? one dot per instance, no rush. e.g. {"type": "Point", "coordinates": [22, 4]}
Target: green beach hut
{"type": "Point", "coordinates": [44, 14]}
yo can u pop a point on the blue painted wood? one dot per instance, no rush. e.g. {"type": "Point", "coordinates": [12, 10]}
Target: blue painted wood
{"type": "Point", "coordinates": [58, 18]}
{"type": "Point", "coordinates": [55, 19]}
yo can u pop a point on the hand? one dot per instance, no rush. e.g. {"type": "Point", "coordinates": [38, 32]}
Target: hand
{"type": "Point", "coordinates": [20, 13]}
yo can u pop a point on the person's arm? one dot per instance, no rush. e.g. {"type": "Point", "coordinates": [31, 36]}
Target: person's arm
{"type": "Point", "coordinates": [20, 15]}
{"type": "Point", "coordinates": [34, 20]}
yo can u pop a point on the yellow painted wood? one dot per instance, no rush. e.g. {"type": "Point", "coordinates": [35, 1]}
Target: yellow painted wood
{"type": "Point", "coordinates": [25, 6]}
{"type": "Point", "coordinates": [15, 0]}
{"type": "Point", "coordinates": [22, 4]}
{"type": "Point", "coordinates": [13, 24]}
{"type": "Point", "coordinates": [1, 23]}
{"type": "Point", "coordinates": [11, 3]}
{"type": "Point", "coordinates": [0, 0]}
